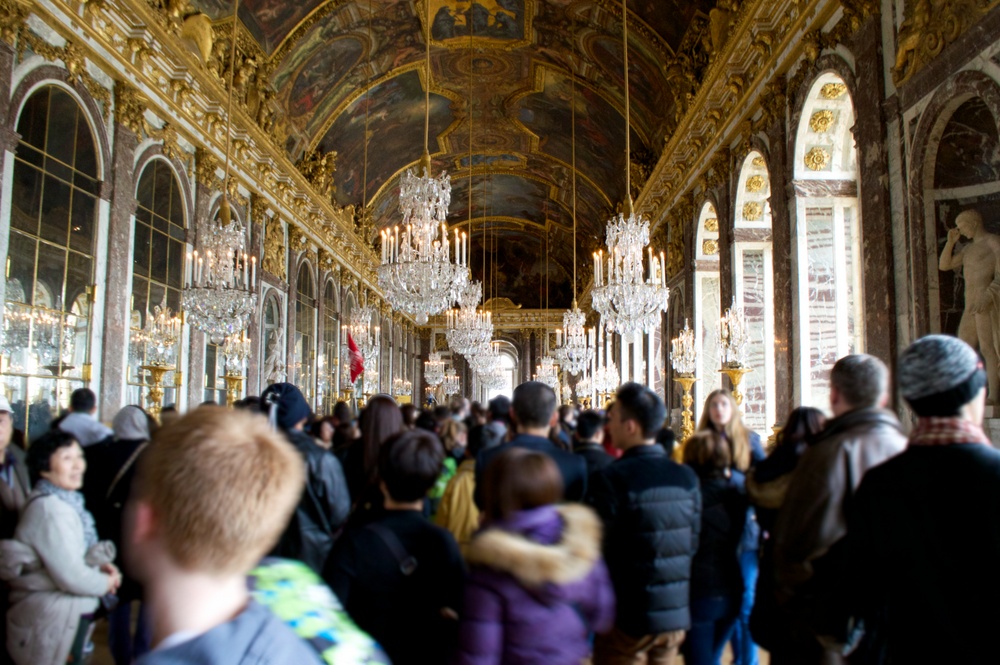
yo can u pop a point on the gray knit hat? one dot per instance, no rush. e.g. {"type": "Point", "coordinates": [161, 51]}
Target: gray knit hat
{"type": "Point", "coordinates": [938, 374]}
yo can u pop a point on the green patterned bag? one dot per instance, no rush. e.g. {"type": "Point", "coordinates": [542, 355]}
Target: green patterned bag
{"type": "Point", "coordinates": [300, 598]}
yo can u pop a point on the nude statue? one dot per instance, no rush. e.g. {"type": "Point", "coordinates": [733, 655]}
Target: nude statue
{"type": "Point", "coordinates": [980, 264]}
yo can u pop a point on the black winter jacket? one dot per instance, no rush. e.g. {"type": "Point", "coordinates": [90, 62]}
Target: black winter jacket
{"type": "Point", "coordinates": [715, 570]}
{"type": "Point", "coordinates": [321, 511]}
{"type": "Point", "coordinates": [651, 508]}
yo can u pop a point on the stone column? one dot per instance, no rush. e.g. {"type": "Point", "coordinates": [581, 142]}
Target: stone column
{"type": "Point", "coordinates": [873, 180]}
{"type": "Point", "coordinates": [196, 350]}
{"type": "Point", "coordinates": [781, 171]}
{"type": "Point", "coordinates": [116, 315]}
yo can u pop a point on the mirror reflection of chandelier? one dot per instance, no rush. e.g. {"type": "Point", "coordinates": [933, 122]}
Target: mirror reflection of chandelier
{"type": "Point", "coordinates": [733, 337]}
{"type": "Point", "coordinates": [236, 351]}
{"type": "Point", "coordinates": [434, 370]}
{"type": "Point", "coordinates": [684, 352]}
{"type": "Point", "coordinates": [452, 385]}
{"type": "Point", "coordinates": [629, 297]}
{"type": "Point", "coordinates": [220, 294]}
{"type": "Point", "coordinates": [160, 336]}
{"type": "Point", "coordinates": [401, 388]}
{"type": "Point", "coordinates": [422, 272]}
{"type": "Point", "coordinates": [607, 379]}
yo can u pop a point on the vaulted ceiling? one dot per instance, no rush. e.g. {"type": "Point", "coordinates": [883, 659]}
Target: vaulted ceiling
{"type": "Point", "coordinates": [341, 66]}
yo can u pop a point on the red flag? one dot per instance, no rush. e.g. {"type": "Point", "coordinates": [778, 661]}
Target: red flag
{"type": "Point", "coordinates": [357, 360]}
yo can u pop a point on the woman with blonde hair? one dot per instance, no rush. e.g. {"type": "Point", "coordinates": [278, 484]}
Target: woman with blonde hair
{"type": "Point", "coordinates": [722, 415]}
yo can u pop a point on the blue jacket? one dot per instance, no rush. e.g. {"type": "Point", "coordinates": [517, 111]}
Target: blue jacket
{"type": "Point", "coordinates": [572, 467]}
{"type": "Point", "coordinates": [254, 637]}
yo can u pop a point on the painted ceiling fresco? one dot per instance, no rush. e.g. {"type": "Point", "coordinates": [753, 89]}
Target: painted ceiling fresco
{"type": "Point", "coordinates": [502, 68]}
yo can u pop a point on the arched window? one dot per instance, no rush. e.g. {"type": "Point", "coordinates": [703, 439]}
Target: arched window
{"type": "Point", "coordinates": [50, 258]}
{"type": "Point", "coordinates": [707, 309]}
{"type": "Point", "coordinates": [508, 363]}
{"type": "Point", "coordinates": [828, 238]}
{"type": "Point", "coordinates": [331, 346]}
{"type": "Point", "coordinates": [158, 249]}
{"type": "Point", "coordinates": [304, 368]}
{"type": "Point", "coordinates": [755, 289]}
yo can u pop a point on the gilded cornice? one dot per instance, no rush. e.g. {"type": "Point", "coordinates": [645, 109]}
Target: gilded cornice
{"type": "Point", "coordinates": [133, 41]}
{"type": "Point", "coordinates": [928, 27]}
{"type": "Point", "coordinates": [764, 39]}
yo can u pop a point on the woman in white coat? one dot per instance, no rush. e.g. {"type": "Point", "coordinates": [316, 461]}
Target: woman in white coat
{"type": "Point", "coordinates": [56, 568]}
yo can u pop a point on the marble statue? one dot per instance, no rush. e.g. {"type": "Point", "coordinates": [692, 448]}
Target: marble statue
{"type": "Point", "coordinates": [274, 368]}
{"type": "Point", "coordinates": [979, 261]}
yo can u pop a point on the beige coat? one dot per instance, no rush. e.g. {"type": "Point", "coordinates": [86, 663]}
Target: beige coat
{"type": "Point", "coordinates": [53, 580]}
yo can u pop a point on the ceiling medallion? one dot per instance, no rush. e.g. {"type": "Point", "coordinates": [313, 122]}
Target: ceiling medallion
{"type": "Point", "coordinates": [821, 121]}
{"type": "Point", "coordinates": [753, 211]}
{"type": "Point", "coordinates": [817, 159]}
{"type": "Point", "coordinates": [712, 224]}
{"type": "Point", "coordinates": [629, 297]}
{"type": "Point", "coordinates": [710, 247]}
{"type": "Point", "coordinates": [833, 90]}
{"type": "Point", "coordinates": [756, 183]}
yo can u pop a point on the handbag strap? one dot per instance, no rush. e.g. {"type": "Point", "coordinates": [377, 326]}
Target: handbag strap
{"type": "Point", "coordinates": [125, 467]}
{"type": "Point", "coordinates": [407, 562]}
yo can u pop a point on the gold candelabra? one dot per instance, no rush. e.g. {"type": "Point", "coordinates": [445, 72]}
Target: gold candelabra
{"type": "Point", "coordinates": [686, 382]}
{"type": "Point", "coordinates": [234, 387]}
{"type": "Point", "coordinates": [736, 374]}
{"type": "Point", "coordinates": [156, 374]}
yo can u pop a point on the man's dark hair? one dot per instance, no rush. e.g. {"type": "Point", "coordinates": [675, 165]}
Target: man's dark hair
{"type": "Point", "coordinates": [41, 451]}
{"type": "Point", "coordinates": [500, 408]}
{"type": "Point", "coordinates": [342, 412]}
{"type": "Point", "coordinates": [639, 403]}
{"type": "Point", "coordinates": [251, 403]}
{"type": "Point", "coordinates": [482, 437]}
{"type": "Point", "coordinates": [666, 438]}
{"type": "Point", "coordinates": [426, 421]}
{"type": "Point", "coordinates": [409, 412]}
{"type": "Point", "coordinates": [860, 379]}
{"type": "Point", "coordinates": [169, 408]}
{"type": "Point", "coordinates": [588, 424]}
{"type": "Point", "coordinates": [410, 463]}
{"type": "Point", "coordinates": [533, 404]}
{"type": "Point", "coordinates": [83, 400]}
{"type": "Point", "coordinates": [441, 413]}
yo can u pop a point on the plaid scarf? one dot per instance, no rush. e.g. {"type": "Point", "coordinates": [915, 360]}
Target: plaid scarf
{"type": "Point", "coordinates": [938, 431]}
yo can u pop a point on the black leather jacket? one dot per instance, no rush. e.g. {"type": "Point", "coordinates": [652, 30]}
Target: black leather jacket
{"type": "Point", "coordinates": [322, 510]}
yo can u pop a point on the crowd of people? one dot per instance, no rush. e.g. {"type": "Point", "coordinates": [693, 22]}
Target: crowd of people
{"type": "Point", "coordinates": [519, 532]}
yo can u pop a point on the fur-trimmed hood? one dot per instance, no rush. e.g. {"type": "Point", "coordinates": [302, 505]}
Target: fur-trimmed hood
{"type": "Point", "coordinates": [535, 564]}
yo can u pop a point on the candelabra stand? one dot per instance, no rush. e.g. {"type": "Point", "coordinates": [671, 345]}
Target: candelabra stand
{"type": "Point", "coordinates": [736, 374]}
{"type": "Point", "coordinates": [156, 373]}
{"type": "Point", "coordinates": [686, 382]}
{"type": "Point", "coordinates": [234, 387]}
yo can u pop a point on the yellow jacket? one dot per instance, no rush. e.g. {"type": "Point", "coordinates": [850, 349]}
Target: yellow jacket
{"type": "Point", "coordinates": [457, 511]}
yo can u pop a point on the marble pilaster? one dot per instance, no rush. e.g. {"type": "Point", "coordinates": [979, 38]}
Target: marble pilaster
{"type": "Point", "coordinates": [196, 350]}
{"type": "Point", "coordinates": [117, 286]}
{"type": "Point", "coordinates": [782, 291]}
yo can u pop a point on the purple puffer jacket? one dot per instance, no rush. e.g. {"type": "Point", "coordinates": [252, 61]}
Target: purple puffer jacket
{"type": "Point", "coordinates": [537, 588]}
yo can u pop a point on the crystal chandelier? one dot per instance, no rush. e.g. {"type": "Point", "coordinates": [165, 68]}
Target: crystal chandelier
{"type": "Point", "coordinates": [574, 343]}
{"type": "Point", "coordinates": [452, 385]}
{"type": "Point", "coordinates": [401, 387]}
{"type": "Point", "coordinates": [220, 294]}
{"type": "Point", "coordinates": [547, 373]}
{"type": "Point", "coordinates": [629, 297]}
{"type": "Point", "coordinates": [236, 351]}
{"type": "Point", "coordinates": [418, 274]}
{"type": "Point", "coordinates": [584, 387]}
{"type": "Point", "coordinates": [434, 370]}
{"type": "Point", "coordinates": [159, 336]}
{"type": "Point", "coordinates": [733, 337]}
{"type": "Point", "coordinates": [607, 379]}
{"type": "Point", "coordinates": [360, 328]}
{"type": "Point", "coordinates": [495, 380]}
{"type": "Point", "coordinates": [575, 351]}
{"type": "Point", "coordinates": [467, 328]}
{"type": "Point", "coordinates": [683, 352]}
{"type": "Point", "coordinates": [485, 360]}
